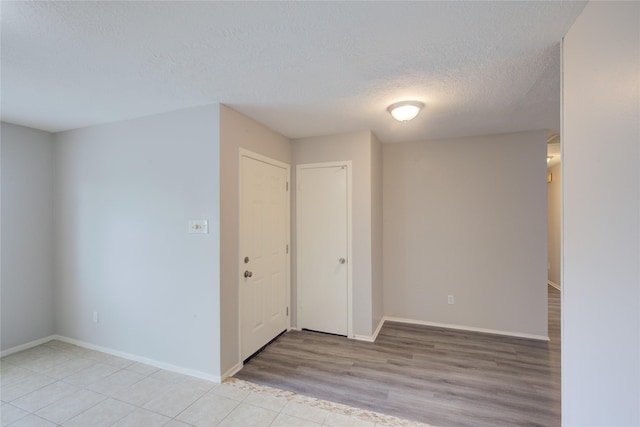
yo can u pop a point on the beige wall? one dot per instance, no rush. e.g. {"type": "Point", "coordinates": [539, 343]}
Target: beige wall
{"type": "Point", "coordinates": [357, 148]}
{"type": "Point", "coordinates": [467, 217]}
{"type": "Point", "coordinates": [376, 233]}
{"type": "Point", "coordinates": [554, 201]}
{"type": "Point", "coordinates": [601, 209]}
{"type": "Point", "coordinates": [237, 131]}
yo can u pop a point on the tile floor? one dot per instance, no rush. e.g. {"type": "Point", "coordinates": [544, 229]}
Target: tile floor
{"type": "Point", "coordinates": [59, 384]}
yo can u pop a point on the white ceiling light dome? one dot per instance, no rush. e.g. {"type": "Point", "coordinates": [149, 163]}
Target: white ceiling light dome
{"type": "Point", "coordinates": [405, 110]}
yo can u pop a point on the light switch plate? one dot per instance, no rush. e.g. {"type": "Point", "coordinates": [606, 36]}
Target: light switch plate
{"type": "Point", "coordinates": [200, 226]}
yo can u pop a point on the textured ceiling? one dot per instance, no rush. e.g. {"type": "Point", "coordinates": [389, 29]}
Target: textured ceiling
{"type": "Point", "coordinates": [301, 68]}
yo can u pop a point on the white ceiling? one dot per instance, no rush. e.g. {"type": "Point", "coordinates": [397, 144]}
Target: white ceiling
{"type": "Point", "coordinates": [301, 68]}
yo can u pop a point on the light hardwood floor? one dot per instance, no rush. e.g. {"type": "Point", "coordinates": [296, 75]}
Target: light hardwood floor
{"type": "Point", "coordinates": [436, 376]}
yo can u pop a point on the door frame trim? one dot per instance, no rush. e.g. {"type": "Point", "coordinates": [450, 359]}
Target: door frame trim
{"type": "Point", "coordinates": [348, 165]}
{"type": "Point", "coordinates": [242, 152]}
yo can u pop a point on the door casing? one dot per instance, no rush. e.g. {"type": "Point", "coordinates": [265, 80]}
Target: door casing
{"type": "Point", "coordinates": [348, 165]}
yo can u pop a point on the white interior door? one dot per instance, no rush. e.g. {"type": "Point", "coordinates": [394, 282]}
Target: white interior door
{"type": "Point", "coordinates": [322, 248]}
{"type": "Point", "coordinates": [264, 259]}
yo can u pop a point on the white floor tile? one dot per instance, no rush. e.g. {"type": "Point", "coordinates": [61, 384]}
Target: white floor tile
{"type": "Point", "coordinates": [266, 401]}
{"type": "Point", "coordinates": [306, 412]}
{"type": "Point", "coordinates": [230, 391]}
{"type": "Point", "coordinates": [27, 356]}
{"type": "Point", "coordinates": [176, 423]}
{"type": "Point", "coordinates": [61, 346]}
{"type": "Point", "coordinates": [284, 420]}
{"type": "Point", "coordinates": [109, 359]}
{"type": "Point", "coordinates": [141, 368]}
{"type": "Point", "coordinates": [174, 377]}
{"type": "Point", "coordinates": [169, 376]}
{"type": "Point", "coordinates": [208, 411]}
{"type": "Point", "coordinates": [142, 392]}
{"type": "Point", "coordinates": [82, 352]}
{"type": "Point", "coordinates": [174, 400]}
{"type": "Point", "coordinates": [32, 421]}
{"type": "Point", "coordinates": [69, 367]}
{"type": "Point", "coordinates": [25, 386]}
{"type": "Point", "coordinates": [11, 373]}
{"type": "Point", "coordinates": [90, 375]}
{"type": "Point", "coordinates": [70, 406]}
{"type": "Point", "coordinates": [103, 414]}
{"type": "Point", "coordinates": [142, 418]}
{"type": "Point", "coordinates": [115, 382]}
{"type": "Point", "coordinates": [87, 353]}
{"type": "Point", "coordinates": [249, 416]}
{"type": "Point", "coordinates": [45, 396]}
{"type": "Point", "coordinates": [46, 361]}
{"type": "Point", "coordinates": [339, 420]}
{"type": "Point", "coordinates": [9, 414]}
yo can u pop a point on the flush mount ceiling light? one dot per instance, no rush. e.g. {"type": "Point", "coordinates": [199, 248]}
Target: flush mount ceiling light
{"type": "Point", "coordinates": [549, 158]}
{"type": "Point", "coordinates": [405, 110]}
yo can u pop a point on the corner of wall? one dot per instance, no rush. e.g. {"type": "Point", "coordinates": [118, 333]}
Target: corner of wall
{"type": "Point", "coordinates": [27, 253]}
{"type": "Point", "coordinates": [377, 245]}
{"type": "Point", "coordinates": [237, 131]}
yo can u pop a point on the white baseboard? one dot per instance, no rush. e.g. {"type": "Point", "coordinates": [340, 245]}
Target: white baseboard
{"type": "Point", "coordinates": [26, 346]}
{"type": "Point", "coordinates": [135, 358]}
{"type": "Point", "coordinates": [377, 331]}
{"type": "Point", "coordinates": [232, 371]}
{"type": "Point", "coordinates": [365, 338]}
{"type": "Point", "coordinates": [467, 328]}
{"type": "Point", "coordinates": [555, 285]}
{"type": "Point", "coordinates": [373, 337]}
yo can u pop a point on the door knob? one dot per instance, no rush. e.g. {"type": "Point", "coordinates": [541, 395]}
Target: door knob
{"type": "Point", "coordinates": [247, 274]}
{"type": "Point", "coordinates": [342, 260]}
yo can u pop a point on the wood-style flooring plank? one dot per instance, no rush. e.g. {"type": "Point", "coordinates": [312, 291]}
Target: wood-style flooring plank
{"type": "Point", "coordinates": [442, 377]}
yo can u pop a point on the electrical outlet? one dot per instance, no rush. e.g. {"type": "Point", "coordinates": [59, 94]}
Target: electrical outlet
{"type": "Point", "coordinates": [449, 299]}
{"type": "Point", "coordinates": [95, 317]}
